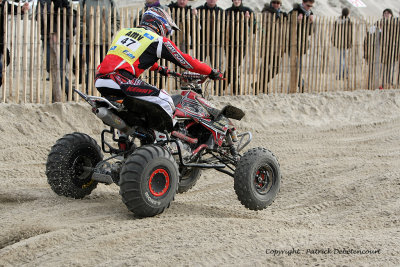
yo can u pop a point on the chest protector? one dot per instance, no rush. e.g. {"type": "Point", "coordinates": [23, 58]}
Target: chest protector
{"type": "Point", "coordinates": [130, 43]}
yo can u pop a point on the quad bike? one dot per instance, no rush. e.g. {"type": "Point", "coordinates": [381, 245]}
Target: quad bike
{"type": "Point", "coordinates": [152, 158]}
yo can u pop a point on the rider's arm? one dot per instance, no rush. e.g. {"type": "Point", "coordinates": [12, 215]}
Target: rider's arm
{"type": "Point", "coordinates": [154, 67]}
{"type": "Point", "coordinates": [172, 53]}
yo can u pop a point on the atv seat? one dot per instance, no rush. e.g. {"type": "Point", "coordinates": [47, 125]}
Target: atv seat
{"type": "Point", "coordinates": [154, 116]}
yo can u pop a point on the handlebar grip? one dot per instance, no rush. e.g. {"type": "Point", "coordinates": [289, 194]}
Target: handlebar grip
{"type": "Point", "coordinates": [174, 74]}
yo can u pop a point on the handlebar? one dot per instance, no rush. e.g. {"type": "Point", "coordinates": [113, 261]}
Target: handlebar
{"type": "Point", "coordinates": [189, 76]}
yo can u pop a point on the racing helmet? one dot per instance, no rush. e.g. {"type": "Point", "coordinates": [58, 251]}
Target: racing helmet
{"type": "Point", "coordinates": [159, 21]}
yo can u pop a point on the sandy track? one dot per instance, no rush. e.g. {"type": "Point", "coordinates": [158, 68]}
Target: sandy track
{"type": "Point", "coordinates": [340, 161]}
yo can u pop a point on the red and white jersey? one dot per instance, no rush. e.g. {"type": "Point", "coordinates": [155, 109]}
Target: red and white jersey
{"type": "Point", "coordinates": [137, 49]}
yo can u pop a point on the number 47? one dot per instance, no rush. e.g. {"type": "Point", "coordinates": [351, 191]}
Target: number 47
{"type": "Point", "coordinates": [124, 42]}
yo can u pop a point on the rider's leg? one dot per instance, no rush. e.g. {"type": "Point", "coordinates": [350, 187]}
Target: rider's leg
{"type": "Point", "coordinates": [144, 91]}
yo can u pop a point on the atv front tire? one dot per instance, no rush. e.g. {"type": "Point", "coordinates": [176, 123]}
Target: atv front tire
{"type": "Point", "coordinates": [149, 181]}
{"type": "Point", "coordinates": [69, 165]}
{"type": "Point", "coordinates": [257, 178]}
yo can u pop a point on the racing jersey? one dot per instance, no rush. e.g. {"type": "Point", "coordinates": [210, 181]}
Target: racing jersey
{"type": "Point", "coordinates": [137, 49]}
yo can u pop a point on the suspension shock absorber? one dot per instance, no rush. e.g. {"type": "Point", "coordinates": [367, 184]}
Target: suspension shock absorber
{"type": "Point", "coordinates": [233, 134]}
{"type": "Point", "coordinates": [232, 147]}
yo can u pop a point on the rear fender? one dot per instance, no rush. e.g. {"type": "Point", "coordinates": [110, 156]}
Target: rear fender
{"type": "Point", "coordinates": [232, 112]}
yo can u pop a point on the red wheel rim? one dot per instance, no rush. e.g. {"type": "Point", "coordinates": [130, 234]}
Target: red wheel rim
{"type": "Point", "coordinates": [264, 179]}
{"type": "Point", "coordinates": [159, 182]}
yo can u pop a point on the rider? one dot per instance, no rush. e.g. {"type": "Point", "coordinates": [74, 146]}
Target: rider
{"type": "Point", "coordinates": [134, 50]}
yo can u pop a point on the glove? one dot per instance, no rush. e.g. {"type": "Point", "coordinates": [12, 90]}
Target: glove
{"type": "Point", "coordinates": [216, 75]}
{"type": "Point", "coordinates": [163, 71]}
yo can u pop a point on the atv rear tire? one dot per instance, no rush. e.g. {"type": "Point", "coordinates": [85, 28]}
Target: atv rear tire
{"type": "Point", "coordinates": [257, 178]}
{"type": "Point", "coordinates": [189, 177]}
{"type": "Point", "coordinates": [68, 165]}
{"type": "Point", "coordinates": [149, 181]}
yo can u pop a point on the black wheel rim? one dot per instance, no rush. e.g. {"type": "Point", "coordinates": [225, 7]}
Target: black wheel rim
{"type": "Point", "coordinates": [82, 168]}
{"type": "Point", "coordinates": [264, 179]}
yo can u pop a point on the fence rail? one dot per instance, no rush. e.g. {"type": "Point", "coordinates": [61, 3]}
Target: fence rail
{"type": "Point", "coordinates": [259, 54]}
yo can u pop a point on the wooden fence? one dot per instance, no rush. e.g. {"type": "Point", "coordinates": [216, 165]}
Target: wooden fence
{"type": "Point", "coordinates": [260, 54]}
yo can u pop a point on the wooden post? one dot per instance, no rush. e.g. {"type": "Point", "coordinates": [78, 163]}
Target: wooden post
{"type": "Point", "coordinates": [55, 66]}
{"type": "Point", "coordinates": [346, 57]}
{"type": "Point", "coordinates": [293, 54]}
{"type": "Point", "coordinates": [245, 53]}
{"type": "Point", "coordinates": [97, 49]}
{"type": "Point", "coordinates": [4, 70]}
{"type": "Point", "coordinates": [84, 52]}
{"type": "Point", "coordinates": [325, 57]}
{"type": "Point", "coordinates": [32, 48]}
{"type": "Point", "coordinates": [261, 51]}
{"type": "Point", "coordinates": [396, 55]}
{"type": "Point", "coordinates": [279, 54]}
{"type": "Point", "coordinates": [355, 44]}
{"type": "Point", "coordinates": [284, 55]}
{"type": "Point", "coordinates": [70, 58]}
{"type": "Point", "coordinates": [91, 51]}
{"type": "Point", "coordinates": [64, 54]}
{"type": "Point", "coordinates": [370, 58]}
{"type": "Point", "coordinates": [251, 56]}
{"type": "Point", "coordinates": [203, 33]}
{"type": "Point", "coordinates": [310, 56]}
{"type": "Point", "coordinates": [271, 55]}
{"type": "Point", "coordinates": [220, 84]}
{"type": "Point", "coordinates": [77, 51]}
{"type": "Point", "coordinates": [109, 32]}
{"type": "Point", "coordinates": [302, 54]}
{"type": "Point", "coordinates": [242, 59]}
{"type": "Point", "coordinates": [264, 38]}
{"type": "Point", "coordinates": [18, 54]}
{"type": "Point", "coordinates": [377, 56]}
{"type": "Point", "coordinates": [24, 58]}
{"type": "Point", "coordinates": [11, 66]}
{"type": "Point", "coordinates": [391, 45]}
{"type": "Point", "coordinates": [337, 50]}
{"type": "Point", "coordinates": [315, 57]}
{"type": "Point", "coordinates": [383, 57]}
{"type": "Point", "coordinates": [194, 39]}
{"type": "Point", "coordinates": [231, 50]}
{"type": "Point", "coordinates": [46, 94]}
{"type": "Point", "coordinates": [216, 33]}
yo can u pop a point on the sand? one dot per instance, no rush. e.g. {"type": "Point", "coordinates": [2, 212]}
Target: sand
{"type": "Point", "coordinates": [340, 162]}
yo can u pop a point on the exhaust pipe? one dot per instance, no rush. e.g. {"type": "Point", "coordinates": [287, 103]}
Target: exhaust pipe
{"type": "Point", "coordinates": [112, 120]}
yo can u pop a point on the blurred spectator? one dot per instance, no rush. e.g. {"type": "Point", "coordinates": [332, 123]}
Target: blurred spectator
{"type": "Point", "coordinates": [342, 39]}
{"type": "Point", "coordinates": [184, 18]}
{"type": "Point", "coordinates": [305, 18]}
{"type": "Point", "coordinates": [209, 29]}
{"type": "Point", "coordinates": [274, 7]}
{"type": "Point", "coordinates": [388, 48]}
{"type": "Point", "coordinates": [387, 13]}
{"type": "Point", "coordinates": [276, 48]}
{"type": "Point", "coordinates": [59, 7]}
{"type": "Point", "coordinates": [24, 8]}
{"type": "Point", "coordinates": [235, 42]}
{"type": "Point", "coordinates": [180, 4]}
{"type": "Point", "coordinates": [380, 51]}
{"type": "Point", "coordinates": [109, 6]}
